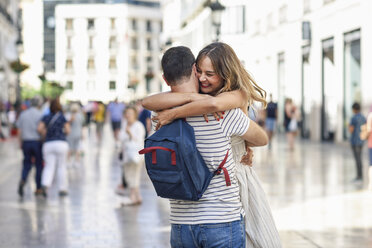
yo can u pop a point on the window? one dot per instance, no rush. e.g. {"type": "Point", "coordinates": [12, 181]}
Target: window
{"type": "Point", "coordinates": [68, 64]}
{"type": "Point", "coordinates": [91, 64]}
{"type": "Point", "coordinates": [69, 85]}
{"type": "Point", "coordinates": [90, 24]}
{"type": "Point", "coordinates": [269, 22]}
{"type": "Point", "coordinates": [327, 1]}
{"type": "Point", "coordinates": [68, 42]}
{"type": "Point", "coordinates": [234, 17]}
{"type": "Point", "coordinates": [149, 47]}
{"type": "Point", "coordinates": [113, 24]}
{"type": "Point", "coordinates": [69, 24]}
{"type": "Point", "coordinates": [257, 25]}
{"type": "Point", "coordinates": [112, 63]}
{"type": "Point", "coordinates": [148, 26]}
{"type": "Point", "coordinates": [134, 62]}
{"type": "Point", "coordinates": [161, 27]}
{"type": "Point", "coordinates": [283, 14]}
{"type": "Point", "coordinates": [134, 24]}
{"type": "Point", "coordinates": [91, 86]}
{"type": "Point", "coordinates": [306, 6]}
{"type": "Point", "coordinates": [134, 43]}
{"type": "Point", "coordinates": [91, 42]}
{"type": "Point", "coordinates": [112, 42]}
{"type": "Point", "coordinates": [112, 85]}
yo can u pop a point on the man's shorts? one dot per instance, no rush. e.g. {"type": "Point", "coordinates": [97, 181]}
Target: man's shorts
{"type": "Point", "coordinates": [116, 125]}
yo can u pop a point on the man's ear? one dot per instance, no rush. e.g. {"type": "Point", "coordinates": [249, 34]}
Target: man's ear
{"type": "Point", "coordinates": [165, 80]}
{"type": "Point", "coordinates": [194, 68]}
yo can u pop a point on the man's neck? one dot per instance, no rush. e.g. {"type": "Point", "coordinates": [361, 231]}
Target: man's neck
{"type": "Point", "coordinates": [186, 86]}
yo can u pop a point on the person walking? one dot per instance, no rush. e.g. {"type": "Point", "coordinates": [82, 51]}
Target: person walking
{"type": "Point", "coordinates": [76, 121]}
{"type": "Point", "coordinates": [54, 127]}
{"type": "Point", "coordinates": [30, 143]}
{"type": "Point", "coordinates": [271, 116]}
{"type": "Point", "coordinates": [225, 84]}
{"type": "Point", "coordinates": [115, 110]}
{"type": "Point", "coordinates": [132, 136]}
{"type": "Point", "coordinates": [99, 117]}
{"type": "Point", "coordinates": [290, 122]}
{"type": "Point", "coordinates": [356, 143]}
{"type": "Point", "coordinates": [369, 135]}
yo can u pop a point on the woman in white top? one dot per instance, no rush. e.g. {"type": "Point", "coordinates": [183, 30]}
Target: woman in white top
{"type": "Point", "coordinates": [132, 137]}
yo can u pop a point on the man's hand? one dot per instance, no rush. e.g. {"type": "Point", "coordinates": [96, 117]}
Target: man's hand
{"type": "Point", "coordinates": [248, 158]}
{"type": "Point", "coordinates": [163, 118]}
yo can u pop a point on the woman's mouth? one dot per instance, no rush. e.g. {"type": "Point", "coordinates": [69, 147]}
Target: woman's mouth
{"type": "Point", "coordinates": [204, 85]}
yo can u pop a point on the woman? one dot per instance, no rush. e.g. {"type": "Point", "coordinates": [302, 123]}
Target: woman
{"type": "Point", "coordinates": [74, 137]}
{"type": "Point", "coordinates": [132, 136]}
{"type": "Point", "coordinates": [54, 128]}
{"type": "Point", "coordinates": [221, 74]}
{"type": "Point", "coordinates": [290, 122]}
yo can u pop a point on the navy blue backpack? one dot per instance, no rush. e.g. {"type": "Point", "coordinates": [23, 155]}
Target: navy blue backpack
{"type": "Point", "coordinates": [175, 166]}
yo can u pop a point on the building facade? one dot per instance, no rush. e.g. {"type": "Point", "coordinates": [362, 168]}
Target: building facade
{"type": "Point", "coordinates": [316, 52]}
{"type": "Point", "coordinates": [108, 51]}
{"type": "Point", "coordinates": [9, 34]}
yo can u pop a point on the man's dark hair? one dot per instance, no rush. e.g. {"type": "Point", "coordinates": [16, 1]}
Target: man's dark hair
{"type": "Point", "coordinates": [177, 64]}
{"type": "Point", "coordinates": [356, 106]}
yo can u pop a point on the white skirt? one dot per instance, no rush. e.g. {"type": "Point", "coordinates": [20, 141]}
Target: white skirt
{"type": "Point", "coordinates": [260, 227]}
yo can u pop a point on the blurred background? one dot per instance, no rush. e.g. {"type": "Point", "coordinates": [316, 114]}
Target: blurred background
{"type": "Point", "coordinates": [316, 52]}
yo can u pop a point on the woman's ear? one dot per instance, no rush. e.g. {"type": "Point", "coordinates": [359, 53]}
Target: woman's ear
{"type": "Point", "coordinates": [165, 80]}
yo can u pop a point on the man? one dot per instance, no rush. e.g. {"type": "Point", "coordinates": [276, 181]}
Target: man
{"type": "Point", "coordinates": [356, 143]}
{"type": "Point", "coordinates": [30, 142]}
{"type": "Point", "coordinates": [216, 219]}
{"type": "Point", "coordinates": [116, 109]}
{"type": "Point", "coordinates": [271, 115]}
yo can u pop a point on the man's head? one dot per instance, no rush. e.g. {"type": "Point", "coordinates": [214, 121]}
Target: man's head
{"type": "Point", "coordinates": [356, 107]}
{"type": "Point", "coordinates": [178, 65]}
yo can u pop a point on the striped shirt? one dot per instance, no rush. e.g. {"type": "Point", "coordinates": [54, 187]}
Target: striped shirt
{"type": "Point", "coordinates": [220, 203]}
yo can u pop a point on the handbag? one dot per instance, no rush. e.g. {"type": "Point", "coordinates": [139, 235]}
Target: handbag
{"type": "Point", "coordinates": [292, 125]}
{"type": "Point", "coordinates": [131, 153]}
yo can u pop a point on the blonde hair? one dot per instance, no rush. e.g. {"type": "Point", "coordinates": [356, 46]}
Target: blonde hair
{"type": "Point", "coordinates": [227, 65]}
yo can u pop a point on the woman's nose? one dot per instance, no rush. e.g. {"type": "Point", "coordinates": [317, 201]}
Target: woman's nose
{"type": "Point", "coordinates": [202, 78]}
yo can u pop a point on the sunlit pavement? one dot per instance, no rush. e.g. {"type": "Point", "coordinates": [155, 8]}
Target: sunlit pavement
{"type": "Point", "coordinates": [314, 201]}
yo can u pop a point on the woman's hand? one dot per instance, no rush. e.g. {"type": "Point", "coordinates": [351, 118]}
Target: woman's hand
{"type": "Point", "coordinates": [247, 159]}
{"type": "Point", "coordinates": [217, 116]}
{"type": "Point", "coordinates": [164, 117]}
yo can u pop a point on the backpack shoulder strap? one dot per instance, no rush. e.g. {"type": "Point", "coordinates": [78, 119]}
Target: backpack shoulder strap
{"type": "Point", "coordinates": [225, 172]}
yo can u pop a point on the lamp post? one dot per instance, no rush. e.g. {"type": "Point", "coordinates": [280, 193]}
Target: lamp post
{"type": "Point", "coordinates": [19, 44]}
{"type": "Point", "coordinates": [217, 9]}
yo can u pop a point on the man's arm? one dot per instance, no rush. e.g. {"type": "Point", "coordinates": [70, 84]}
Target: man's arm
{"type": "Point", "coordinates": [224, 101]}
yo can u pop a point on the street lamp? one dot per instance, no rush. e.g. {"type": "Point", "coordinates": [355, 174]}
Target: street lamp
{"type": "Point", "coordinates": [19, 44]}
{"type": "Point", "coordinates": [217, 9]}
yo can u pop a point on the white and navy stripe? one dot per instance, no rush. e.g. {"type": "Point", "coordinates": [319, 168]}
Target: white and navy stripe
{"type": "Point", "coordinates": [220, 203]}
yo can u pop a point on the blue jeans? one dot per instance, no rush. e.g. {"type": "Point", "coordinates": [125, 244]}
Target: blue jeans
{"type": "Point", "coordinates": [32, 149]}
{"type": "Point", "coordinates": [219, 235]}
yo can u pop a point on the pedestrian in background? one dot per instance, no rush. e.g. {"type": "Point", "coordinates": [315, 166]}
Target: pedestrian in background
{"type": "Point", "coordinates": [356, 143]}
{"type": "Point", "coordinates": [144, 117]}
{"type": "Point", "coordinates": [290, 122]}
{"type": "Point", "coordinates": [30, 142]}
{"type": "Point", "coordinates": [369, 135]}
{"type": "Point", "coordinates": [3, 122]}
{"type": "Point", "coordinates": [116, 109]}
{"type": "Point", "coordinates": [132, 136]}
{"type": "Point", "coordinates": [271, 116]}
{"type": "Point", "coordinates": [99, 118]}
{"type": "Point", "coordinates": [76, 121]}
{"type": "Point", "coordinates": [54, 127]}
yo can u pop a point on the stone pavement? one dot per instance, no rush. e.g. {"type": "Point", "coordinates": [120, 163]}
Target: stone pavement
{"type": "Point", "coordinates": [314, 202]}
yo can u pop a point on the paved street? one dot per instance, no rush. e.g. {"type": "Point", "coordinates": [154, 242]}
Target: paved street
{"type": "Point", "coordinates": [314, 201]}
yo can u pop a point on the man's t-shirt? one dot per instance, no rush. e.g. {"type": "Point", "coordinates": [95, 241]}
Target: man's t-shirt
{"type": "Point", "coordinates": [271, 110]}
{"type": "Point", "coordinates": [357, 120]}
{"type": "Point", "coordinates": [28, 122]}
{"type": "Point", "coordinates": [116, 111]}
{"type": "Point", "coordinates": [220, 203]}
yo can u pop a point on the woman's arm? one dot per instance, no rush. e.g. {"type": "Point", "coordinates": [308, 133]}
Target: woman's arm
{"type": "Point", "coordinates": [224, 101]}
{"type": "Point", "coordinates": [169, 100]}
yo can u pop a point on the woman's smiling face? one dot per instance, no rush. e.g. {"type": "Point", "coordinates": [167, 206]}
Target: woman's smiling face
{"type": "Point", "coordinates": [209, 81]}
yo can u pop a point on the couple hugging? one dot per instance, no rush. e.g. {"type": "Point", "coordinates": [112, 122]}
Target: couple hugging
{"type": "Point", "coordinates": [216, 82]}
